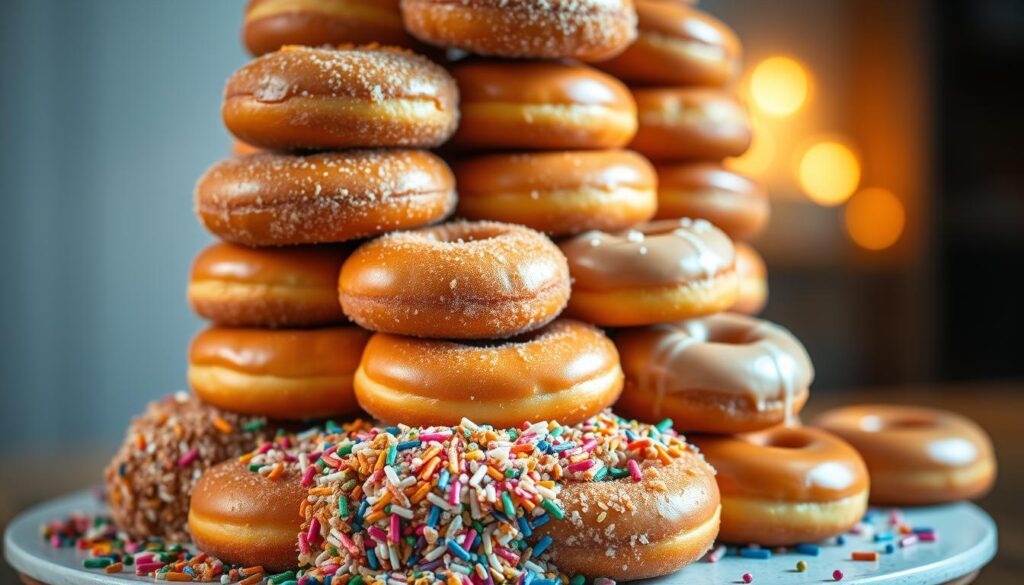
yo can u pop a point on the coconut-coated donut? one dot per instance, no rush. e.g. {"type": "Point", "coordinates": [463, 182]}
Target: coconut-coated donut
{"type": "Point", "coordinates": [587, 30]}
{"type": "Point", "coordinates": [267, 287]}
{"type": "Point", "coordinates": [677, 45]}
{"type": "Point", "coordinates": [283, 373]}
{"type": "Point", "coordinates": [541, 105]}
{"type": "Point", "coordinates": [461, 280]}
{"type": "Point", "coordinates": [559, 193]}
{"type": "Point", "coordinates": [753, 275]}
{"type": "Point", "coordinates": [916, 455]}
{"type": "Point", "coordinates": [314, 98]}
{"type": "Point", "coordinates": [272, 24]}
{"type": "Point", "coordinates": [690, 123]}
{"type": "Point", "coordinates": [656, 272]}
{"type": "Point", "coordinates": [723, 373]}
{"type": "Point", "coordinates": [277, 199]}
{"type": "Point", "coordinates": [786, 485]}
{"type": "Point", "coordinates": [736, 204]}
{"type": "Point", "coordinates": [567, 371]}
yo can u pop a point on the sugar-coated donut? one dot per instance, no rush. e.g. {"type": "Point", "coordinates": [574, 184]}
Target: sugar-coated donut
{"type": "Point", "coordinates": [267, 287]}
{"type": "Point", "coordinates": [567, 372]}
{"type": "Point", "coordinates": [272, 24]}
{"type": "Point", "coordinates": [656, 272]}
{"type": "Point", "coordinates": [724, 373]}
{"type": "Point", "coordinates": [313, 98]}
{"type": "Point", "coordinates": [690, 123]}
{"type": "Point", "coordinates": [541, 105]}
{"type": "Point", "coordinates": [736, 204]}
{"type": "Point", "coordinates": [753, 275]}
{"type": "Point", "coordinates": [587, 30]}
{"type": "Point", "coordinates": [282, 374]}
{"type": "Point", "coordinates": [786, 485]}
{"type": "Point", "coordinates": [559, 193]}
{"type": "Point", "coordinates": [461, 280]}
{"type": "Point", "coordinates": [281, 199]}
{"type": "Point", "coordinates": [916, 455]}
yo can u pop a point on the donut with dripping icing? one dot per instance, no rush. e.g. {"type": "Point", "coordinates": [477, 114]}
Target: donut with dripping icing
{"type": "Point", "coordinates": [786, 485]}
{"type": "Point", "coordinates": [753, 275]}
{"type": "Point", "coordinates": [559, 193]}
{"type": "Point", "coordinates": [276, 199]}
{"type": "Point", "coordinates": [656, 272]}
{"type": "Point", "coordinates": [736, 204]}
{"type": "Point", "coordinates": [314, 98]}
{"type": "Point", "coordinates": [916, 455]}
{"type": "Point", "coordinates": [541, 105]}
{"type": "Point", "coordinates": [690, 123]}
{"type": "Point", "coordinates": [724, 373]}
{"type": "Point", "coordinates": [272, 24]}
{"type": "Point", "coordinates": [461, 280]}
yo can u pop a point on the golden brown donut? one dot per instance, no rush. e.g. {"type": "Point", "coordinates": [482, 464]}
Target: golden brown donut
{"type": "Point", "coordinates": [244, 518]}
{"type": "Point", "coordinates": [724, 373]}
{"type": "Point", "coordinates": [281, 199]}
{"type": "Point", "coordinates": [690, 124]}
{"type": "Point", "coordinates": [284, 374]}
{"type": "Point", "coordinates": [736, 204]}
{"type": "Point", "coordinates": [753, 276]}
{"type": "Point", "coordinates": [461, 280]}
{"type": "Point", "coordinates": [272, 24]}
{"type": "Point", "coordinates": [283, 287]}
{"type": "Point", "coordinates": [786, 486]}
{"type": "Point", "coordinates": [916, 455]}
{"type": "Point", "coordinates": [559, 193]}
{"type": "Point", "coordinates": [313, 98]}
{"type": "Point", "coordinates": [587, 30]}
{"type": "Point", "coordinates": [239, 148]}
{"type": "Point", "coordinates": [656, 272]}
{"type": "Point", "coordinates": [541, 105]}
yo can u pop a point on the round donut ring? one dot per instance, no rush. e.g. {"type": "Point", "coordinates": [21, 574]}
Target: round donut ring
{"type": "Point", "coordinates": [690, 124]}
{"type": "Point", "coordinates": [272, 24]}
{"type": "Point", "coordinates": [753, 274]}
{"type": "Point", "coordinates": [736, 204]}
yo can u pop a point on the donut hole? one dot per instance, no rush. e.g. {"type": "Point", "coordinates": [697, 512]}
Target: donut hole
{"type": "Point", "coordinates": [466, 233]}
{"type": "Point", "coordinates": [787, 439]}
{"type": "Point", "coordinates": [877, 424]}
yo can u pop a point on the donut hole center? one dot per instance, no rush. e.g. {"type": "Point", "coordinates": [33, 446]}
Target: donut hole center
{"type": "Point", "coordinates": [787, 440]}
{"type": "Point", "coordinates": [466, 235]}
{"type": "Point", "coordinates": [876, 424]}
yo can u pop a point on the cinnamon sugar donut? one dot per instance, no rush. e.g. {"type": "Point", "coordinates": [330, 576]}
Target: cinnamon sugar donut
{"type": "Point", "coordinates": [272, 24]}
{"type": "Point", "coordinates": [690, 123]}
{"type": "Point", "coordinates": [753, 275]}
{"type": "Point", "coordinates": [656, 272]}
{"type": "Point", "coordinates": [281, 199]}
{"type": "Point", "coordinates": [736, 204]}
{"type": "Point", "coordinates": [724, 373]}
{"type": "Point", "coordinates": [461, 280]}
{"type": "Point", "coordinates": [309, 98]}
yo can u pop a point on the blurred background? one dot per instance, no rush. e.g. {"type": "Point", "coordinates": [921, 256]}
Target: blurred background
{"type": "Point", "coordinates": [887, 132]}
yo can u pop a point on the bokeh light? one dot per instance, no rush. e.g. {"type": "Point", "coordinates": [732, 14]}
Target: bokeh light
{"type": "Point", "coordinates": [875, 218]}
{"type": "Point", "coordinates": [757, 160]}
{"type": "Point", "coordinates": [829, 172]}
{"type": "Point", "coordinates": [779, 85]}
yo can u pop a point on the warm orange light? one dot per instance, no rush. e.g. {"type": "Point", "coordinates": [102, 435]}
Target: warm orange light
{"type": "Point", "coordinates": [829, 172]}
{"type": "Point", "coordinates": [875, 218]}
{"type": "Point", "coordinates": [758, 158]}
{"type": "Point", "coordinates": [779, 85]}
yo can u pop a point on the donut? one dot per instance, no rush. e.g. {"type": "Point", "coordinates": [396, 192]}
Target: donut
{"type": "Point", "coordinates": [736, 204]}
{"type": "Point", "coordinates": [677, 45]}
{"type": "Point", "coordinates": [272, 24]}
{"type": "Point", "coordinates": [656, 272]}
{"type": "Point", "coordinates": [753, 275]}
{"type": "Point", "coordinates": [283, 373]}
{"type": "Point", "coordinates": [461, 280]}
{"type": "Point", "coordinates": [268, 287]}
{"type": "Point", "coordinates": [916, 455]}
{"type": "Point", "coordinates": [313, 98]}
{"type": "Point", "coordinates": [786, 485]}
{"type": "Point", "coordinates": [239, 148]}
{"type": "Point", "coordinates": [724, 373]}
{"type": "Point", "coordinates": [282, 199]}
{"type": "Point", "coordinates": [567, 372]}
{"type": "Point", "coordinates": [586, 30]}
{"type": "Point", "coordinates": [541, 105]}
{"type": "Point", "coordinates": [687, 123]}
{"type": "Point", "coordinates": [559, 193]}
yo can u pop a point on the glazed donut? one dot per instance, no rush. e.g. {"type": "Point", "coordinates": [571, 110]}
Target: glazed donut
{"type": "Point", "coordinates": [541, 105]}
{"type": "Point", "coordinates": [786, 486]}
{"type": "Point", "coordinates": [566, 372]}
{"type": "Point", "coordinates": [283, 287]}
{"type": "Point", "coordinates": [283, 374]}
{"type": "Point", "coordinates": [461, 280]}
{"type": "Point", "coordinates": [736, 204]}
{"type": "Point", "coordinates": [282, 199]}
{"type": "Point", "coordinates": [272, 24]}
{"type": "Point", "coordinates": [916, 455]}
{"type": "Point", "coordinates": [560, 193]}
{"type": "Point", "coordinates": [724, 373]}
{"type": "Point", "coordinates": [311, 98]}
{"type": "Point", "coordinates": [690, 124]}
{"type": "Point", "coordinates": [587, 30]}
{"type": "Point", "coordinates": [239, 148]}
{"type": "Point", "coordinates": [753, 275]}
{"type": "Point", "coordinates": [657, 272]}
